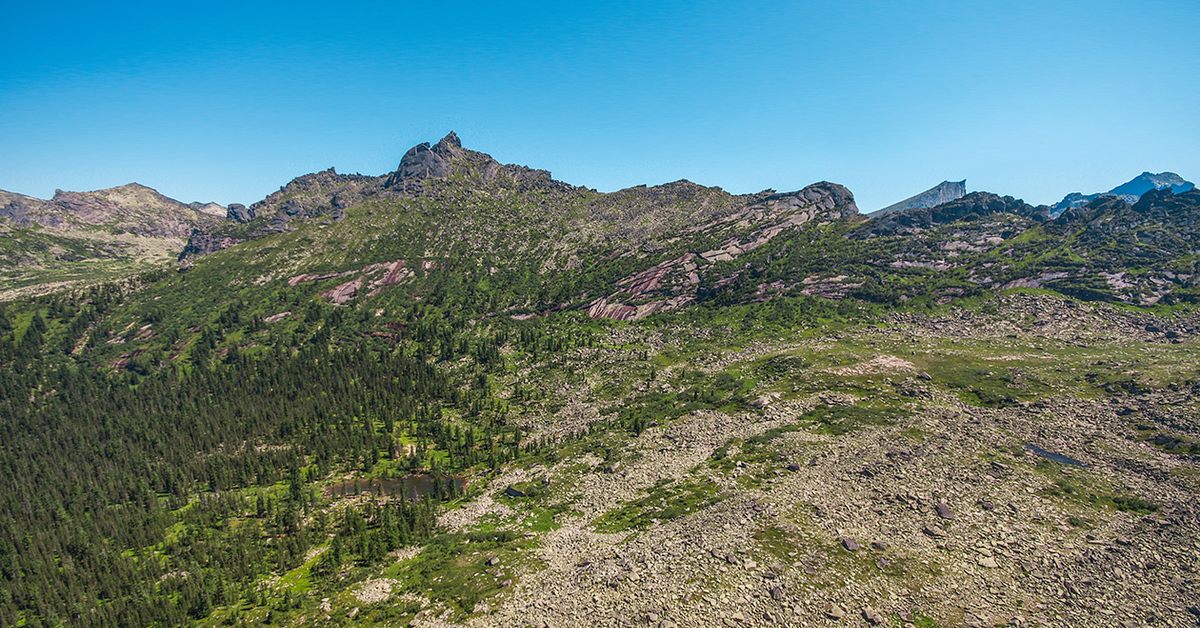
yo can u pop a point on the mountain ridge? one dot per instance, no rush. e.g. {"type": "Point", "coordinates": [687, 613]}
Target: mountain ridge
{"type": "Point", "coordinates": [1130, 191]}
{"type": "Point", "coordinates": [82, 237]}
{"type": "Point", "coordinates": [128, 206]}
{"type": "Point", "coordinates": [557, 226]}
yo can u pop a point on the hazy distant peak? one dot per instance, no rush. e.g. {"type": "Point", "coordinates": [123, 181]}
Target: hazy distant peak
{"type": "Point", "coordinates": [1147, 181]}
{"type": "Point", "coordinates": [210, 208]}
{"type": "Point", "coordinates": [1130, 191]}
{"type": "Point", "coordinates": [943, 192]}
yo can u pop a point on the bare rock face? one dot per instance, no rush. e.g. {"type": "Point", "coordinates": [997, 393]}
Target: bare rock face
{"type": "Point", "coordinates": [420, 162]}
{"type": "Point", "coordinates": [26, 211]}
{"type": "Point", "coordinates": [239, 213]}
{"type": "Point", "coordinates": [201, 242]}
{"type": "Point", "coordinates": [823, 196]}
{"type": "Point", "coordinates": [424, 162]}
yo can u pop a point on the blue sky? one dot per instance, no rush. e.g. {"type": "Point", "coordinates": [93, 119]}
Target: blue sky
{"type": "Point", "coordinates": [228, 101]}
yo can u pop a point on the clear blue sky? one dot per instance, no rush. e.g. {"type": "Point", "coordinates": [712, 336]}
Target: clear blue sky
{"type": "Point", "coordinates": [227, 101]}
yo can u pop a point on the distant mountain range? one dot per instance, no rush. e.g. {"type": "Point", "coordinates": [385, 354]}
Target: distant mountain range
{"type": "Point", "coordinates": [132, 208]}
{"type": "Point", "coordinates": [1129, 192]}
{"type": "Point", "coordinates": [87, 236]}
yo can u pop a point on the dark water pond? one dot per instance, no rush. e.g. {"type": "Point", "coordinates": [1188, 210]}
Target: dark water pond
{"type": "Point", "coordinates": [414, 487]}
{"type": "Point", "coordinates": [1050, 455]}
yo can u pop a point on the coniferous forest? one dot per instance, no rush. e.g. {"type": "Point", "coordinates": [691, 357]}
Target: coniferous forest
{"type": "Point", "coordinates": [152, 495]}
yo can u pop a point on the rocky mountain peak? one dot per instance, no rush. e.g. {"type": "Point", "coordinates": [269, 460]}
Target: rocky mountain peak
{"type": "Point", "coordinates": [423, 162]}
{"type": "Point", "coordinates": [448, 143]}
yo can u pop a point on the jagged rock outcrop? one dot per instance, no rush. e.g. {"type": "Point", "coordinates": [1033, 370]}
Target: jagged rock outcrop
{"type": "Point", "coordinates": [239, 213]}
{"type": "Point", "coordinates": [424, 162]}
{"type": "Point", "coordinates": [202, 243]}
{"type": "Point", "coordinates": [942, 193]}
{"type": "Point", "coordinates": [320, 194]}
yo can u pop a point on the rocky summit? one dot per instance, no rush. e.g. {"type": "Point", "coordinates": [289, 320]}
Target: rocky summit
{"type": "Point", "coordinates": [465, 393]}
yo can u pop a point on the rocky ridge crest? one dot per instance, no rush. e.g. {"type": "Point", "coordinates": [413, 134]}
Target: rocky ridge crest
{"type": "Point", "coordinates": [1130, 191]}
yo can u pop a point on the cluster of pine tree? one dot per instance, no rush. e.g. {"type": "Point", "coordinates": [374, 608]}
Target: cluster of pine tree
{"type": "Point", "coordinates": [152, 493]}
